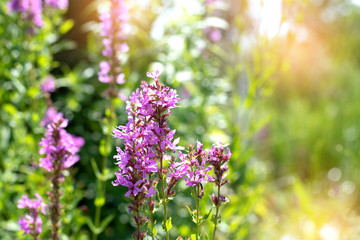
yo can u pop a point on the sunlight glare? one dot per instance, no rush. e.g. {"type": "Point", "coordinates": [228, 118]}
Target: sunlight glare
{"type": "Point", "coordinates": [268, 13]}
{"type": "Point", "coordinates": [328, 232]}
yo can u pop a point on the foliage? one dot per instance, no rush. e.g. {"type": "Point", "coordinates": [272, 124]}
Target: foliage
{"type": "Point", "coordinates": [286, 104]}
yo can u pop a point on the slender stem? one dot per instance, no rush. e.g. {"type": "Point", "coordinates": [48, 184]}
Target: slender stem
{"type": "Point", "coordinates": [216, 214]}
{"type": "Point", "coordinates": [151, 209]}
{"type": "Point", "coordinates": [55, 201]}
{"type": "Point", "coordinates": [101, 183]}
{"type": "Point", "coordinates": [197, 211]}
{"type": "Point", "coordinates": [34, 227]}
{"type": "Point", "coordinates": [164, 196]}
{"type": "Point", "coordinates": [138, 226]}
{"type": "Point", "coordinates": [151, 221]}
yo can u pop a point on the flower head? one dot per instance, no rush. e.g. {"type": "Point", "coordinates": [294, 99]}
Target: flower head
{"type": "Point", "coordinates": [32, 10]}
{"type": "Point", "coordinates": [218, 158]}
{"type": "Point", "coordinates": [114, 28]}
{"type": "Point", "coordinates": [48, 84]}
{"type": "Point", "coordinates": [61, 4]}
{"type": "Point", "coordinates": [59, 146]}
{"type": "Point", "coordinates": [31, 223]}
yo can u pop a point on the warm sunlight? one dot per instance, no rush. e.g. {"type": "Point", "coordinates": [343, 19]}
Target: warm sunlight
{"type": "Point", "coordinates": [268, 15]}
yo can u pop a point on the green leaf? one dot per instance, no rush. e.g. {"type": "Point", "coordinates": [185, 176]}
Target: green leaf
{"type": "Point", "coordinates": [193, 236]}
{"type": "Point", "coordinates": [106, 222]}
{"type": "Point", "coordinates": [103, 224]}
{"type": "Point", "coordinates": [104, 148]}
{"type": "Point", "coordinates": [66, 26]}
{"type": "Point", "coordinates": [192, 214]}
{"type": "Point", "coordinates": [95, 168]}
{"type": "Point", "coordinates": [168, 224]}
{"type": "Point", "coordinates": [99, 201]}
{"type": "Point", "coordinates": [154, 231]}
{"type": "Point", "coordinates": [10, 109]}
{"type": "Point", "coordinates": [91, 225]}
{"type": "Point", "coordinates": [206, 216]}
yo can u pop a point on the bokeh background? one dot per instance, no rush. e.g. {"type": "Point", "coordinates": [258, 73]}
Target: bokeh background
{"type": "Point", "coordinates": [279, 80]}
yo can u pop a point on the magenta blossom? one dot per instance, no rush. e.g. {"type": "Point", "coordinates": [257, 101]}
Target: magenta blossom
{"type": "Point", "coordinates": [61, 4]}
{"type": "Point", "coordinates": [48, 84]}
{"type": "Point", "coordinates": [59, 146]}
{"type": "Point", "coordinates": [114, 28]}
{"type": "Point", "coordinates": [146, 138]}
{"type": "Point", "coordinates": [31, 9]}
{"type": "Point", "coordinates": [31, 224]}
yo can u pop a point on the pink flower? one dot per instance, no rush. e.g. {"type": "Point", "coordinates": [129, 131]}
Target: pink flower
{"type": "Point", "coordinates": [114, 29]}
{"type": "Point", "coordinates": [32, 223]}
{"type": "Point", "coordinates": [58, 145]}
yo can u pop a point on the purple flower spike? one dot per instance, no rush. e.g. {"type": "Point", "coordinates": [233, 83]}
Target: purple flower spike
{"type": "Point", "coordinates": [218, 159]}
{"type": "Point", "coordinates": [58, 146]}
{"type": "Point", "coordinates": [61, 4]}
{"type": "Point", "coordinates": [48, 84]}
{"type": "Point", "coordinates": [31, 224]}
{"type": "Point", "coordinates": [114, 29]}
{"type": "Point", "coordinates": [146, 138]}
{"type": "Point", "coordinates": [155, 74]}
{"type": "Point", "coordinates": [31, 9]}
{"type": "Point", "coordinates": [194, 167]}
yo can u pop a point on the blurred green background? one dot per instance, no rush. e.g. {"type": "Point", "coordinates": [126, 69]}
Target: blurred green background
{"type": "Point", "coordinates": [281, 86]}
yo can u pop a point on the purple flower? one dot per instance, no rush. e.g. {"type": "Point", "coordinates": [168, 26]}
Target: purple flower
{"type": "Point", "coordinates": [114, 29]}
{"type": "Point", "coordinates": [218, 159]}
{"type": "Point", "coordinates": [31, 224]}
{"type": "Point", "coordinates": [48, 84]}
{"type": "Point", "coordinates": [146, 138]}
{"type": "Point", "coordinates": [155, 74]}
{"type": "Point", "coordinates": [32, 10]}
{"type": "Point", "coordinates": [59, 146]}
{"type": "Point", "coordinates": [197, 171]}
{"type": "Point", "coordinates": [50, 115]}
{"type": "Point", "coordinates": [214, 34]}
{"type": "Point", "coordinates": [61, 4]}
{"type": "Point", "coordinates": [194, 167]}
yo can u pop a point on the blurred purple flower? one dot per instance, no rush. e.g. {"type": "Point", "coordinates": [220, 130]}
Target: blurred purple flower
{"type": "Point", "coordinates": [31, 224]}
{"type": "Point", "coordinates": [59, 146]}
{"type": "Point", "coordinates": [218, 159]}
{"type": "Point", "coordinates": [48, 84]}
{"type": "Point", "coordinates": [114, 29]}
{"type": "Point", "coordinates": [50, 116]}
{"type": "Point", "coordinates": [32, 10]}
{"type": "Point", "coordinates": [61, 4]}
{"type": "Point", "coordinates": [214, 34]}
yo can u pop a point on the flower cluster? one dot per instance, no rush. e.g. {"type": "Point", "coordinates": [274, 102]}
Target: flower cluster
{"type": "Point", "coordinates": [146, 138]}
{"type": "Point", "coordinates": [114, 29]}
{"type": "Point", "coordinates": [60, 147]}
{"type": "Point", "coordinates": [194, 167]}
{"type": "Point", "coordinates": [32, 9]}
{"type": "Point", "coordinates": [213, 33]}
{"type": "Point", "coordinates": [31, 223]}
{"type": "Point", "coordinates": [218, 160]}
{"type": "Point", "coordinates": [48, 84]}
{"type": "Point", "coordinates": [60, 4]}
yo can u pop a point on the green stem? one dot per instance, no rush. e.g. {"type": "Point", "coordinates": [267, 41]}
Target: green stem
{"type": "Point", "coordinates": [164, 197]}
{"type": "Point", "coordinates": [216, 214]}
{"type": "Point", "coordinates": [55, 202]}
{"type": "Point", "coordinates": [34, 227]}
{"type": "Point", "coordinates": [152, 223]}
{"type": "Point", "coordinates": [100, 182]}
{"type": "Point", "coordinates": [151, 209]}
{"type": "Point", "coordinates": [197, 211]}
{"type": "Point", "coordinates": [96, 221]}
